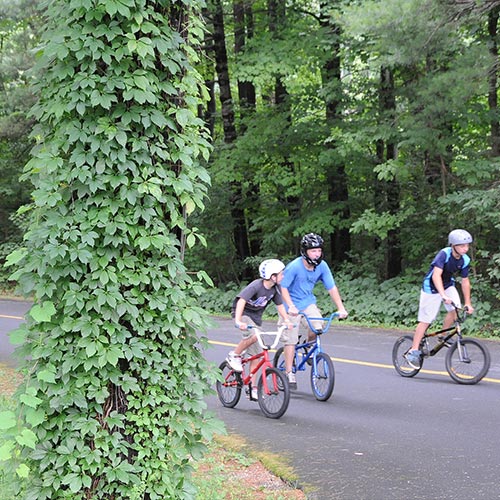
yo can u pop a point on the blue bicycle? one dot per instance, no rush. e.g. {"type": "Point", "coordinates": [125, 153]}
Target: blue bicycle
{"type": "Point", "coordinates": [310, 353]}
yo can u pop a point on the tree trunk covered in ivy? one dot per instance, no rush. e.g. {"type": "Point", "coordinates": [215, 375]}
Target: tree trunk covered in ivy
{"type": "Point", "coordinates": [113, 405]}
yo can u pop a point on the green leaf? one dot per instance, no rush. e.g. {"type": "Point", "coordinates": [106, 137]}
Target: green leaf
{"type": "Point", "coordinates": [43, 313]}
{"type": "Point", "coordinates": [23, 471]}
{"type": "Point", "coordinates": [27, 438]}
{"type": "Point", "coordinates": [7, 420]}
{"type": "Point", "coordinates": [15, 256]}
{"type": "Point", "coordinates": [18, 336]}
{"type": "Point", "coordinates": [6, 450]}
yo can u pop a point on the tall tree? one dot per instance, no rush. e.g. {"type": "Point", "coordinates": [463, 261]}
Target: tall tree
{"type": "Point", "coordinates": [338, 192]}
{"type": "Point", "coordinates": [113, 405]}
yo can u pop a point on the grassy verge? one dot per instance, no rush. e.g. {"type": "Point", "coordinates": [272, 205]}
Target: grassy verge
{"type": "Point", "coordinates": [230, 470]}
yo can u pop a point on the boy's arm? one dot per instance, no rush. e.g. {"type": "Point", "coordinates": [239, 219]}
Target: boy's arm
{"type": "Point", "coordinates": [238, 313]}
{"type": "Point", "coordinates": [437, 279]}
{"type": "Point", "coordinates": [337, 300]}
{"type": "Point", "coordinates": [292, 310]}
{"type": "Point", "coordinates": [283, 314]}
{"type": "Point", "coordinates": [466, 291]}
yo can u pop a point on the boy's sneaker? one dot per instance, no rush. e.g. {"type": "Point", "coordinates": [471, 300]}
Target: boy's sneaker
{"type": "Point", "coordinates": [414, 358]}
{"type": "Point", "coordinates": [292, 381]}
{"type": "Point", "coordinates": [234, 361]}
{"type": "Point", "coordinates": [255, 394]}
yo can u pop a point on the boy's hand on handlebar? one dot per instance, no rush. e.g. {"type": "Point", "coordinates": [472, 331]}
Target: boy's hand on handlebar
{"type": "Point", "coordinates": [446, 299]}
{"type": "Point", "coordinates": [343, 314]}
{"type": "Point", "coordinates": [241, 325]}
{"type": "Point", "coordinates": [293, 311]}
{"type": "Point", "coordinates": [468, 309]}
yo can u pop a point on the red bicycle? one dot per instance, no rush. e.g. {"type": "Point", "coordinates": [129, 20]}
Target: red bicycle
{"type": "Point", "coordinates": [273, 392]}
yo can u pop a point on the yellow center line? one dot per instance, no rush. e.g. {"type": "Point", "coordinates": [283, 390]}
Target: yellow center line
{"type": "Point", "coordinates": [369, 363]}
{"type": "Point", "coordinates": [10, 317]}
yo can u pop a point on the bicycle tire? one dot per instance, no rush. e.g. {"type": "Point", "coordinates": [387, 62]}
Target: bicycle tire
{"type": "Point", "coordinates": [400, 348]}
{"type": "Point", "coordinates": [275, 404]}
{"type": "Point", "coordinates": [279, 359]}
{"type": "Point", "coordinates": [322, 377]}
{"type": "Point", "coordinates": [474, 369]}
{"type": "Point", "coordinates": [229, 387]}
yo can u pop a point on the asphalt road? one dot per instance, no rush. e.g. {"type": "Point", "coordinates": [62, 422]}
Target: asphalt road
{"type": "Point", "coordinates": [380, 436]}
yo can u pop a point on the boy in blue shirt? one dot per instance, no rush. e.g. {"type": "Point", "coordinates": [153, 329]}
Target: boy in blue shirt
{"type": "Point", "coordinates": [301, 275]}
{"type": "Point", "coordinates": [439, 287]}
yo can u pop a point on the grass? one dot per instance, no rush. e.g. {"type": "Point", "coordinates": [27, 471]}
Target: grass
{"type": "Point", "coordinates": [231, 470]}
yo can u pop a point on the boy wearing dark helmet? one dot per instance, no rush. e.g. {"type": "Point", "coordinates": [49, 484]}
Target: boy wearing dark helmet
{"type": "Point", "coordinates": [301, 275]}
{"type": "Point", "coordinates": [439, 287]}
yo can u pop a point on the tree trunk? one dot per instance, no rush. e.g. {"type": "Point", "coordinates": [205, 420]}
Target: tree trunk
{"type": "Point", "coordinates": [338, 193]}
{"type": "Point", "coordinates": [493, 82]}
{"type": "Point", "coordinates": [388, 192]}
{"type": "Point", "coordinates": [240, 232]}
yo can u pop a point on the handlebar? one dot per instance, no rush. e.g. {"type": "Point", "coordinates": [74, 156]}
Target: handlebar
{"type": "Point", "coordinates": [327, 320]}
{"type": "Point", "coordinates": [461, 312]}
{"type": "Point", "coordinates": [259, 333]}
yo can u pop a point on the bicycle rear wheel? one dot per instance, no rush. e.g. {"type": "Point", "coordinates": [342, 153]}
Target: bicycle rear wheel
{"type": "Point", "coordinates": [468, 362]}
{"type": "Point", "coordinates": [401, 347]}
{"type": "Point", "coordinates": [322, 377]}
{"type": "Point", "coordinates": [229, 388]}
{"type": "Point", "coordinates": [275, 403]}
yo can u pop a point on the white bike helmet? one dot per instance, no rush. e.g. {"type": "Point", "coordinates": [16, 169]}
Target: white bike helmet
{"type": "Point", "coordinates": [269, 267]}
{"type": "Point", "coordinates": [459, 237]}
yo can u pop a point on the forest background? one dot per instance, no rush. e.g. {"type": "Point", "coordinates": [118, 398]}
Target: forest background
{"type": "Point", "coordinates": [374, 124]}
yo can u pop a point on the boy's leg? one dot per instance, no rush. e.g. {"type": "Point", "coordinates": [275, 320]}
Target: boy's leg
{"type": "Point", "coordinates": [428, 309]}
{"type": "Point", "coordinates": [313, 312]}
{"type": "Point", "coordinates": [249, 338]}
{"type": "Point", "coordinates": [451, 314]}
{"type": "Point", "coordinates": [290, 338]}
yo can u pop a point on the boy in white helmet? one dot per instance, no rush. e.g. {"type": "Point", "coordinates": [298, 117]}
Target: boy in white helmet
{"type": "Point", "coordinates": [439, 287]}
{"type": "Point", "coordinates": [248, 308]}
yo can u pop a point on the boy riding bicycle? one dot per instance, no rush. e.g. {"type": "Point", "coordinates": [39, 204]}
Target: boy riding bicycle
{"type": "Point", "coordinates": [248, 308]}
{"type": "Point", "coordinates": [439, 287]}
{"type": "Point", "coordinates": [301, 275]}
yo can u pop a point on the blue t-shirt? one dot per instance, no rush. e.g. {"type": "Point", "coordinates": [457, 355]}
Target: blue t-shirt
{"type": "Point", "coordinates": [300, 281]}
{"type": "Point", "coordinates": [450, 266]}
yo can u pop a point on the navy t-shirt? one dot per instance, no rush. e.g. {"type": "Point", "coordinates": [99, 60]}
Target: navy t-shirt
{"type": "Point", "coordinates": [450, 266]}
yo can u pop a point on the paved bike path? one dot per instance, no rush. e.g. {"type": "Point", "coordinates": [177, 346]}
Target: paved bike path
{"type": "Point", "coordinates": [380, 436]}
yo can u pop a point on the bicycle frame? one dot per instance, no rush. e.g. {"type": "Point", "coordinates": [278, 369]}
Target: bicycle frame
{"type": "Point", "coordinates": [313, 346]}
{"type": "Point", "coordinates": [262, 356]}
{"type": "Point", "coordinates": [456, 329]}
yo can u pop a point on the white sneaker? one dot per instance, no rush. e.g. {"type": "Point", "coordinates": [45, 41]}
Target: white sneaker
{"type": "Point", "coordinates": [255, 393]}
{"type": "Point", "coordinates": [234, 361]}
{"type": "Point", "coordinates": [292, 381]}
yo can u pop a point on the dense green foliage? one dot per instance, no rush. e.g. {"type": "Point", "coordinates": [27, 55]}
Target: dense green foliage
{"type": "Point", "coordinates": [113, 406]}
{"type": "Point", "coordinates": [405, 135]}
{"type": "Point", "coordinates": [374, 124]}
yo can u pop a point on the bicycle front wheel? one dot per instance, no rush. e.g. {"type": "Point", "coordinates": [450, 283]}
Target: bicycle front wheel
{"type": "Point", "coordinates": [274, 401]}
{"type": "Point", "coordinates": [467, 361]}
{"type": "Point", "coordinates": [229, 388]}
{"type": "Point", "coordinates": [399, 350]}
{"type": "Point", "coordinates": [279, 359]}
{"type": "Point", "coordinates": [322, 377]}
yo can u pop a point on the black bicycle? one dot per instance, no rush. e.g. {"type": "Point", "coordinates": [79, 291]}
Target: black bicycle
{"type": "Point", "coordinates": [467, 360]}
